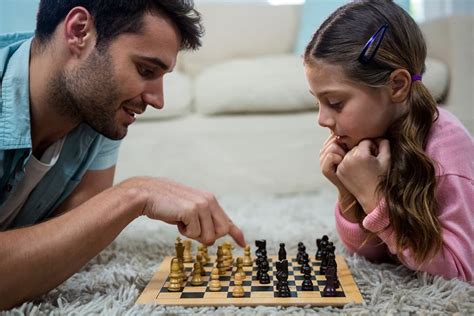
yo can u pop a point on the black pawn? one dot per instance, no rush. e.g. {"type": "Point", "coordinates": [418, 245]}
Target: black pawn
{"type": "Point", "coordinates": [318, 244]}
{"type": "Point", "coordinates": [307, 284]}
{"type": "Point", "coordinates": [284, 290]}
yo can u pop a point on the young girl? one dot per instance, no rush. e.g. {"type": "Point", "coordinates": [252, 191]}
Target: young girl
{"type": "Point", "coordinates": [403, 167]}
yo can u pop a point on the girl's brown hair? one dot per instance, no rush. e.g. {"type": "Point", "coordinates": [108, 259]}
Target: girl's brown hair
{"type": "Point", "coordinates": [409, 185]}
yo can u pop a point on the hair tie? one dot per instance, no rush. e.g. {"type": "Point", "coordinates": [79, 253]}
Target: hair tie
{"type": "Point", "coordinates": [416, 77]}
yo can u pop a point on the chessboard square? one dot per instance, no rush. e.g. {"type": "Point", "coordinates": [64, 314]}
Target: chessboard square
{"type": "Point", "coordinates": [209, 265]}
{"type": "Point", "coordinates": [246, 295]}
{"type": "Point", "coordinates": [223, 289]}
{"type": "Point", "coordinates": [309, 294]}
{"type": "Point", "coordinates": [215, 295]}
{"type": "Point", "coordinates": [169, 295]}
{"type": "Point", "coordinates": [195, 289]}
{"type": "Point", "coordinates": [268, 294]}
{"type": "Point", "coordinates": [291, 272]}
{"type": "Point", "coordinates": [244, 283]}
{"type": "Point", "coordinates": [165, 289]}
{"type": "Point", "coordinates": [192, 295]}
{"type": "Point", "coordinates": [188, 269]}
{"type": "Point", "coordinates": [299, 288]}
{"type": "Point", "coordinates": [262, 288]}
{"type": "Point", "coordinates": [224, 278]}
{"type": "Point", "coordinates": [289, 283]}
{"type": "Point", "coordinates": [292, 294]}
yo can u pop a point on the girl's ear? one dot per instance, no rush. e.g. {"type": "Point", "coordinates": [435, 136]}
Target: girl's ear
{"type": "Point", "coordinates": [400, 83]}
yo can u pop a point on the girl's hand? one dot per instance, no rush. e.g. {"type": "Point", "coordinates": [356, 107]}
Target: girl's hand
{"type": "Point", "coordinates": [361, 170]}
{"type": "Point", "coordinates": [330, 156]}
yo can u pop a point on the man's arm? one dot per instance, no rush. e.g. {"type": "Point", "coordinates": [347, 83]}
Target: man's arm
{"type": "Point", "coordinates": [93, 183]}
{"type": "Point", "coordinates": [44, 255]}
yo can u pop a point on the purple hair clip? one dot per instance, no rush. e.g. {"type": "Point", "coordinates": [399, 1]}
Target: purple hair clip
{"type": "Point", "coordinates": [416, 77]}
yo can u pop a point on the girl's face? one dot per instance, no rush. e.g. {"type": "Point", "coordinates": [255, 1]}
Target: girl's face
{"type": "Point", "coordinates": [350, 110]}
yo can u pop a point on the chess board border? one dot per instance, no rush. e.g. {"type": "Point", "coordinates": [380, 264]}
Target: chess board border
{"type": "Point", "coordinates": [351, 292]}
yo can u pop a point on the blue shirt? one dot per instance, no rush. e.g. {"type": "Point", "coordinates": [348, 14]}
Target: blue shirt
{"type": "Point", "coordinates": [84, 149]}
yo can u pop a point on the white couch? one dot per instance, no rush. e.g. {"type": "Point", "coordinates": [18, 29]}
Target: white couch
{"type": "Point", "coordinates": [238, 117]}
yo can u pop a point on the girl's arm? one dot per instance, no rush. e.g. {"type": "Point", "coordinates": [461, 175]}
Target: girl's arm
{"type": "Point", "coordinates": [356, 239]}
{"type": "Point", "coordinates": [456, 205]}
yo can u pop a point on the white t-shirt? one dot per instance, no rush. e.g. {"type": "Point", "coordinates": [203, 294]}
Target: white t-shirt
{"type": "Point", "coordinates": [35, 170]}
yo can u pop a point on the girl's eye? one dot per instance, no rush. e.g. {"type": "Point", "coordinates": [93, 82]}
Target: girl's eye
{"type": "Point", "coordinates": [336, 105]}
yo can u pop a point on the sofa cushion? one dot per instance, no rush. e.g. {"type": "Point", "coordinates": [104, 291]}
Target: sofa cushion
{"type": "Point", "coordinates": [276, 84]}
{"type": "Point", "coordinates": [177, 95]}
{"type": "Point", "coordinates": [436, 78]}
{"type": "Point", "coordinates": [264, 84]}
{"type": "Point", "coordinates": [242, 30]}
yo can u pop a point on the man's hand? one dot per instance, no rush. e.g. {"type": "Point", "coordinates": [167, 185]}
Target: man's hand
{"type": "Point", "coordinates": [362, 168]}
{"type": "Point", "coordinates": [197, 213]}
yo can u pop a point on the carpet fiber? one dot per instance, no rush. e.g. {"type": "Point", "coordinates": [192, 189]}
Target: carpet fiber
{"type": "Point", "coordinates": [113, 280]}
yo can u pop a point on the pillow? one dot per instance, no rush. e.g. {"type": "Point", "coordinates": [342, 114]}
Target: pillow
{"type": "Point", "coordinates": [264, 84]}
{"type": "Point", "coordinates": [177, 95]}
{"type": "Point", "coordinates": [436, 78]}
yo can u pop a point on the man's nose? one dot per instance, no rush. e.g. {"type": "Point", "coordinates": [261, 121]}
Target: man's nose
{"type": "Point", "coordinates": [153, 95]}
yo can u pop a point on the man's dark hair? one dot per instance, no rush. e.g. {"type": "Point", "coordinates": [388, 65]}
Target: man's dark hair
{"type": "Point", "coordinates": [114, 17]}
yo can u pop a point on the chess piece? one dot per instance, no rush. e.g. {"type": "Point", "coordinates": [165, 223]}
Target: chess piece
{"type": "Point", "coordinates": [221, 264]}
{"type": "Point", "coordinates": [205, 254]}
{"type": "Point", "coordinates": [175, 283]}
{"type": "Point", "coordinates": [238, 290]}
{"type": "Point", "coordinates": [197, 278]}
{"type": "Point", "coordinates": [215, 284]}
{"type": "Point", "coordinates": [282, 252]}
{"type": "Point", "coordinates": [248, 262]}
{"type": "Point", "coordinates": [324, 256]}
{"type": "Point", "coordinates": [179, 253]}
{"type": "Point", "coordinates": [317, 256]}
{"type": "Point", "coordinates": [200, 260]}
{"type": "Point", "coordinates": [282, 277]}
{"type": "Point", "coordinates": [261, 245]}
{"type": "Point", "coordinates": [240, 268]}
{"type": "Point", "coordinates": [301, 252]}
{"type": "Point", "coordinates": [230, 258]}
{"type": "Point", "coordinates": [187, 255]}
{"type": "Point", "coordinates": [264, 277]}
{"type": "Point", "coordinates": [305, 262]}
{"type": "Point", "coordinates": [227, 255]}
{"type": "Point", "coordinates": [330, 288]}
{"type": "Point", "coordinates": [307, 284]}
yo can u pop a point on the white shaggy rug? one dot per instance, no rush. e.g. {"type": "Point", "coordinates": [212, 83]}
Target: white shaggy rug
{"type": "Point", "coordinates": [111, 283]}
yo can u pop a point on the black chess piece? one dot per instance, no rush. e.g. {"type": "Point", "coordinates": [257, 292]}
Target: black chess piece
{"type": "Point", "coordinates": [300, 254]}
{"type": "Point", "coordinates": [282, 277]}
{"type": "Point", "coordinates": [264, 277]}
{"type": "Point", "coordinates": [324, 255]}
{"type": "Point", "coordinates": [317, 256]}
{"type": "Point", "coordinates": [332, 264]}
{"type": "Point", "coordinates": [282, 252]}
{"type": "Point", "coordinates": [305, 263]}
{"type": "Point", "coordinates": [261, 244]}
{"type": "Point", "coordinates": [330, 288]}
{"type": "Point", "coordinates": [307, 284]}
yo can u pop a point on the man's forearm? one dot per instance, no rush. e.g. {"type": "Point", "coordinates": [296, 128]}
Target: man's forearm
{"type": "Point", "coordinates": [36, 259]}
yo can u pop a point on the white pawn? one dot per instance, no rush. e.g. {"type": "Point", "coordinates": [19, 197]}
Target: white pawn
{"type": "Point", "coordinates": [215, 284]}
{"type": "Point", "coordinates": [187, 255]}
{"type": "Point", "coordinates": [238, 290]}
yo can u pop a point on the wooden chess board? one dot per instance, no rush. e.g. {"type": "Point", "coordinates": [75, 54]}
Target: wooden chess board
{"type": "Point", "coordinates": [156, 292]}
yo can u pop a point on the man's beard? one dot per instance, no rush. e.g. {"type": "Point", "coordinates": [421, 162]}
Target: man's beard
{"type": "Point", "coordinates": [89, 95]}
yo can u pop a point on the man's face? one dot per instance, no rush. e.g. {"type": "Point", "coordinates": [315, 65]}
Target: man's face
{"type": "Point", "coordinates": [109, 87]}
{"type": "Point", "coordinates": [351, 111]}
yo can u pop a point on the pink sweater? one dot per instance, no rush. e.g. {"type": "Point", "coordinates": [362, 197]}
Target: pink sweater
{"type": "Point", "coordinates": [452, 147]}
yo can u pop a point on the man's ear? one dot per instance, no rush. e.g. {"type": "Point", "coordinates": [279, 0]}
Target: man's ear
{"type": "Point", "coordinates": [400, 83]}
{"type": "Point", "coordinates": [79, 30]}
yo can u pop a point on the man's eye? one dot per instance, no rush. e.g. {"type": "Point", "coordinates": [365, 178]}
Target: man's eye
{"type": "Point", "coordinates": [145, 72]}
{"type": "Point", "coordinates": [336, 105]}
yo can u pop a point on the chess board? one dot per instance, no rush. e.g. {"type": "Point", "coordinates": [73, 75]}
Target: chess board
{"type": "Point", "coordinates": [156, 292]}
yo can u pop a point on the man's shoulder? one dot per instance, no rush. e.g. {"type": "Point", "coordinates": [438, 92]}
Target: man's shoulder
{"type": "Point", "coordinates": [10, 39]}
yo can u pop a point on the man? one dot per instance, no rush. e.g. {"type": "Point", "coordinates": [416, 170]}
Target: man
{"type": "Point", "coordinates": [67, 93]}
